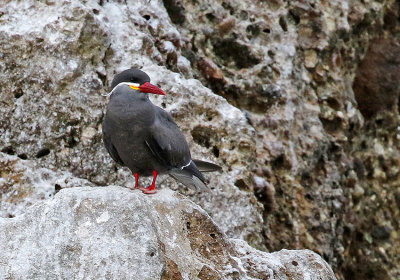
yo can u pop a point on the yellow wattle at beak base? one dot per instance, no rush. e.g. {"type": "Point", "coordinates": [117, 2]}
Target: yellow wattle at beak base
{"type": "Point", "coordinates": [134, 87]}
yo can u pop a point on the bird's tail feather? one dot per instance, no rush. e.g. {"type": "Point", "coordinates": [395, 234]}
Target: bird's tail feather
{"type": "Point", "coordinates": [205, 166]}
{"type": "Point", "coordinates": [190, 176]}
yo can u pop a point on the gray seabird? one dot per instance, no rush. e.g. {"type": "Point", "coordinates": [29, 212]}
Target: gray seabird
{"type": "Point", "coordinates": [143, 137]}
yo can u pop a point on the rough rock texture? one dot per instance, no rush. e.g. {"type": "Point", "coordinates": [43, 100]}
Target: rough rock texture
{"type": "Point", "coordinates": [301, 109]}
{"type": "Point", "coordinates": [22, 184]}
{"type": "Point", "coordinates": [115, 233]}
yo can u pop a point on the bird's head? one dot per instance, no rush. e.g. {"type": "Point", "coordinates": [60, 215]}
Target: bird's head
{"type": "Point", "coordinates": [136, 80]}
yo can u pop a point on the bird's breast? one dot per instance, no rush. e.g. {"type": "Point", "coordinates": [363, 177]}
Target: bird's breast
{"type": "Point", "coordinates": [130, 114]}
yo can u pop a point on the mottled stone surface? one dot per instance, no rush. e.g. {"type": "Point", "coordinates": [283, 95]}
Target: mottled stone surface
{"type": "Point", "coordinates": [376, 85]}
{"type": "Point", "coordinates": [297, 100]}
{"type": "Point", "coordinates": [22, 184]}
{"type": "Point", "coordinates": [116, 233]}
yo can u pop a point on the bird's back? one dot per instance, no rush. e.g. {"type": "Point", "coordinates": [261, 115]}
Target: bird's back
{"type": "Point", "coordinates": [169, 140]}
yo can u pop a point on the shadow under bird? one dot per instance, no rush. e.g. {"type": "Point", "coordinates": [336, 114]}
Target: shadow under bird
{"type": "Point", "coordinates": [143, 137]}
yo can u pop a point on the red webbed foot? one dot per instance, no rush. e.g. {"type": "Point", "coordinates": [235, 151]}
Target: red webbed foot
{"type": "Point", "coordinates": [152, 188]}
{"type": "Point", "coordinates": [148, 190]}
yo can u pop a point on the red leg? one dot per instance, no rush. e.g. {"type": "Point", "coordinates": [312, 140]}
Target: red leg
{"type": "Point", "coordinates": [152, 188]}
{"type": "Point", "coordinates": [136, 181]}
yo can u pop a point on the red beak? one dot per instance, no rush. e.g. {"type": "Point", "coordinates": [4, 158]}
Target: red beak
{"type": "Point", "coordinates": [149, 88]}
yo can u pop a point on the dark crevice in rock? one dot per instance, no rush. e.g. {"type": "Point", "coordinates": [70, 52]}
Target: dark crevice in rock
{"type": "Point", "coordinates": [57, 188]}
{"type": "Point", "coordinates": [381, 232]}
{"type": "Point", "coordinates": [230, 49]}
{"type": "Point", "coordinates": [295, 17]}
{"type": "Point", "coordinates": [283, 24]}
{"type": "Point", "coordinates": [43, 152]}
{"type": "Point", "coordinates": [241, 184]}
{"type": "Point", "coordinates": [202, 135]}
{"type": "Point", "coordinates": [334, 103]}
{"type": "Point", "coordinates": [331, 125]}
{"type": "Point", "coordinates": [227, 6]}
{"type": "Point", "coordinates": [171, 62]}
{"type": "Point", "coordinates": [278, 162]}
{"type": "Point", "coordinates": [215, 151]}
{"type": "Point", "coordinates": [211, 17]}
{"type": "Point", "coordinates": [8, 150]}
{"type": "Point", "coordinates": [258, 99]}
{"type": "Point", "coordinates": [18, 93]}
{"type": "Point", "coordinates": [23, 156]}
{"type": "Point", "coordinates": [175, 10]}
{"type": "Point", "coordinates": [253, 30]}
{"type": "Point", "coordinates": [271, 53]}
{"type": "Point", "coordinates": [392, 17]}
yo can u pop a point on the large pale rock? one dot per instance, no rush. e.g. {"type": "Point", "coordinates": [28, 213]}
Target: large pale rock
{"type": "Point", "coordinates": [116, 233]}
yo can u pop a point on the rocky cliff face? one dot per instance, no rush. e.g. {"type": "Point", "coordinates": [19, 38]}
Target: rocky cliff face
{"type": "Point", "coordinates": [298, 101]}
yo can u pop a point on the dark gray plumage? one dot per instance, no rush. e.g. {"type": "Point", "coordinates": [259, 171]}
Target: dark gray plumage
{"type": "Point", "coordinates": [144, 137]}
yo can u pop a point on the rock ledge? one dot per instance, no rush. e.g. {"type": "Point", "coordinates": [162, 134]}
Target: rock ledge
{"type": "Point", "coordinates": [115, 233]}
